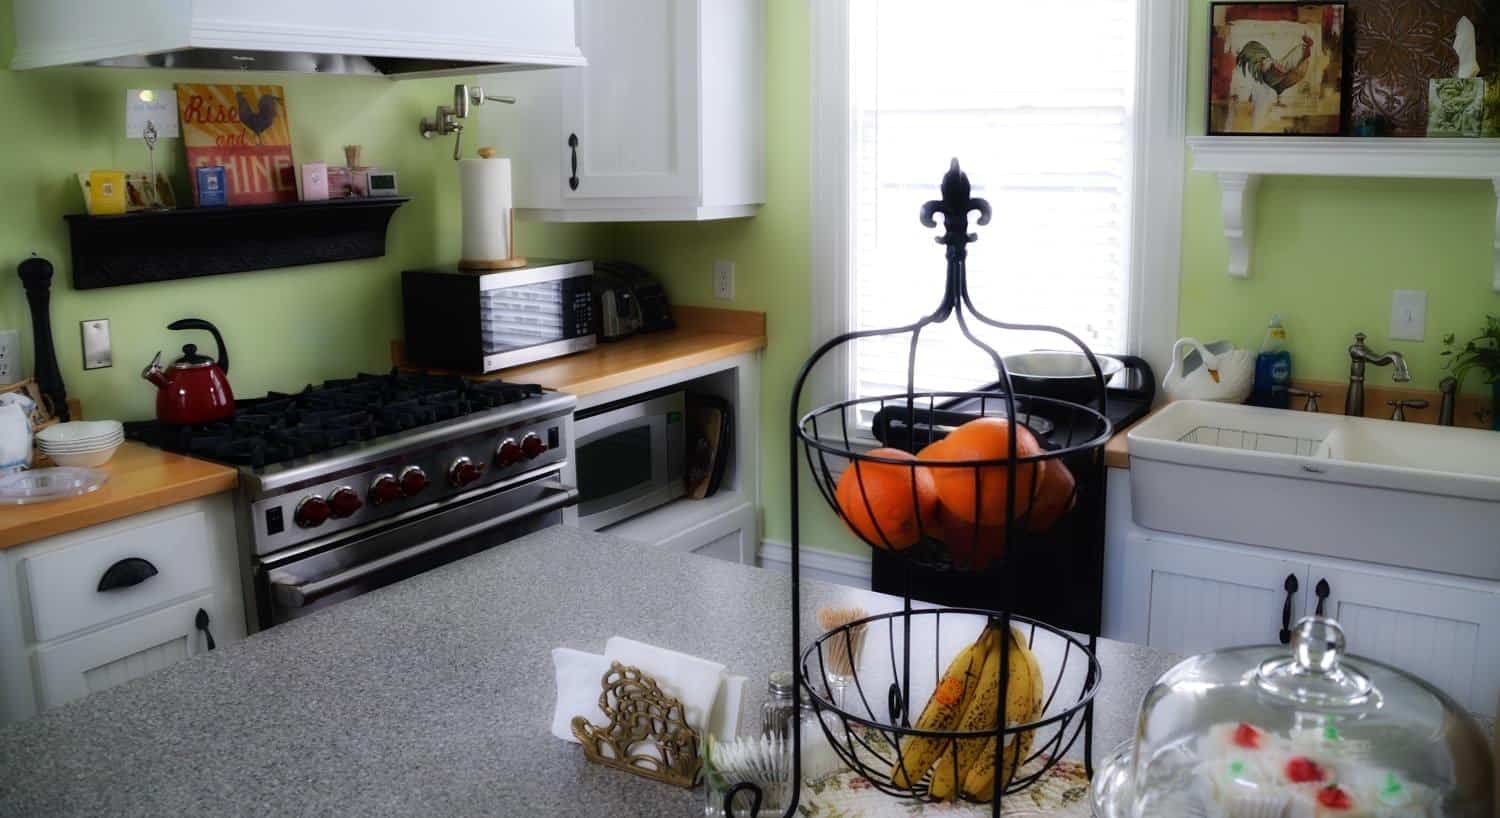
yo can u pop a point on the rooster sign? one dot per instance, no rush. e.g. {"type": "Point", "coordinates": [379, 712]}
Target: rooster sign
{"type": "Point", "coordinates": [1277, 68]}
{"type": "Point", "coordinates": [244, 129]}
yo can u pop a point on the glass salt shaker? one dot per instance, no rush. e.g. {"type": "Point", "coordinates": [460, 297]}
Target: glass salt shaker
{"type": "Point", "coordinates": [777, 716]}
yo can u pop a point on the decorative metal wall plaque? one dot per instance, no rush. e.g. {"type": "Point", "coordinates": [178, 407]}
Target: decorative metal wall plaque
{"type": "Point", "coordinates": [647, 734]}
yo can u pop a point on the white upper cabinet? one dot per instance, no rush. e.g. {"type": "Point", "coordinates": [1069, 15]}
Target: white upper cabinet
{"type": "Point", "coordinates": [665, 124]}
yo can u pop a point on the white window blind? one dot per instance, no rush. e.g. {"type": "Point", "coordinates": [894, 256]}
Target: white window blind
{"type": "Point", "coordinates": [1035, 99]}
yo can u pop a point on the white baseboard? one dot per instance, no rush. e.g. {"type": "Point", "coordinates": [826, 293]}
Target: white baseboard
{"type": "Point", "coordinates": [818, 563]}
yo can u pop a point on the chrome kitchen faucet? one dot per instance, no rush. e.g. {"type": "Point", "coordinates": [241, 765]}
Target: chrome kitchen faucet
{"type": "Point", "coordinates": [1359, 355]}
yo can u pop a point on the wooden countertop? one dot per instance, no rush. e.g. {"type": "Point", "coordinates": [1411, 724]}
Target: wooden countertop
{"type": "Point", "coordinates": [140, 479]}
{"type": "Point", "coordinates": [703, 335]}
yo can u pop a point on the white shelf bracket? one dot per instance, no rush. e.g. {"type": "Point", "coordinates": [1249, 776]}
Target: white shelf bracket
{"type": "Point", "coordinates": [1495, 283]}
{"type": "Point", "coordinates": [1237, 199]}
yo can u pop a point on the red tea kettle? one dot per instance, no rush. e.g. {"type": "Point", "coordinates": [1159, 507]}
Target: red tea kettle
{"type": "Point", "coordinates": [193, 389]}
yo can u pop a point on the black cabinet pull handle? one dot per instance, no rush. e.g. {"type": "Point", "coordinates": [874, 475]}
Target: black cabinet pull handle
{"type": "Point", "coordinates": [1322, 590]}
{"type": "Point", "coordinates": [573, 148]}
{"type": "Point", "coordinates": [1291, 586]}
{"type": "Point", "coordinates": [125, 573]}
{"type": "Point", "coordinates": [201, 623]}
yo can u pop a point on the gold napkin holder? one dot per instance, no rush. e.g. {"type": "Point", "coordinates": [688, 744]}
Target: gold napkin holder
{"type": "Point", "coordinates": [639, 712]}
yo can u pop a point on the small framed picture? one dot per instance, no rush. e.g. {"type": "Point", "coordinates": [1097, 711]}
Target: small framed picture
{"type": "Point", "coordinates": [1277, 69]}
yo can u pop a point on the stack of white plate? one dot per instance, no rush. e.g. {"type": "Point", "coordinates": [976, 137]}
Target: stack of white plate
{"type": "Point", "coordinates": [83, 443]}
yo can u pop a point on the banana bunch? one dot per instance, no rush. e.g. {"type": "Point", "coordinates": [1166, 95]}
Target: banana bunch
{"type": "Point", "coordinates": [966, 700]}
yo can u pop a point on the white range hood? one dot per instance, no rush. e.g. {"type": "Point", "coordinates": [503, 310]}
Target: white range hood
{"type": "Point", "coordinates": [397, 38]}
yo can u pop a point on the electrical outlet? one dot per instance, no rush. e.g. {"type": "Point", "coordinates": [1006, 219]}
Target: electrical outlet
{"type": "Point", "coordinates": [724, 280]}
{"type": "Point", "coordinates": [96, 348]}
{"type": "Point", "coordinates": [1409, 315]}
{"type": "Point", "coordinates": [10, 356]}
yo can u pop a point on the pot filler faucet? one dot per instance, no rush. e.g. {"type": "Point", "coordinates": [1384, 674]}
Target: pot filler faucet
{"type": "Point", "coordinates": [1359, 355]}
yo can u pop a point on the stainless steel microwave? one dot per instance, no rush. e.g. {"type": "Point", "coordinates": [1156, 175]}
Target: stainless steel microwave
{"type": "Point", "coordinates": [630, 458]}
{"type": "Point", "coordinates": [476, 321]}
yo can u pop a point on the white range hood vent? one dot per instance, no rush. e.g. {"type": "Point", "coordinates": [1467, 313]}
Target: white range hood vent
{"type": "Point", "coordinates": [396, 38]}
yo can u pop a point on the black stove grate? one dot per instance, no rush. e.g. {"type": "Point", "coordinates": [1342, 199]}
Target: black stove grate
{"type": "Point", "coordinates": [285, 426]}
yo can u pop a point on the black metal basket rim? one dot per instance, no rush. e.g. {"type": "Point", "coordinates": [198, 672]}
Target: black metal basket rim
{"type": "Point", "coordinates": [848, 452]}
{"type": "Point", "coordinates": [1090, 690]}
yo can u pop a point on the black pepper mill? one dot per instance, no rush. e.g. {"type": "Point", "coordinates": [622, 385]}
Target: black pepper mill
{"type": "Point", "coordinates": [36, 276]}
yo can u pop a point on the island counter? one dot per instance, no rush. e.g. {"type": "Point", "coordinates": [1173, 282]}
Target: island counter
{"type": "Point", "coordinates": [433, 696]}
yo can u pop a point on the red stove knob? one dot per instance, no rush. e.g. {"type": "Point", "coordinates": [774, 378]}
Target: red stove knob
{"type": "Point", "coordinates": [311, 512]}
{"type": "Point", "coordinates": [413, 481]}
{"type": "Point", "coordinates": [509, 453]}
{"type": "Point", "coordinates": [531, 446]}
{"type": "Point", "coordinates": [386, 489]}
{"type": "Point", "coordinates": [464, 471]}
{"type": "Point", "coordinates": [344, 501]}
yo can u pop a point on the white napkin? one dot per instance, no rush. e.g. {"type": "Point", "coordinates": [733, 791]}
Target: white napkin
{"type": "Point", "coordinates": [578, 689]}
{"type": "Point", "coordinates": [693, 681]}
{"type": "Point", "coordinates": [724, 721]}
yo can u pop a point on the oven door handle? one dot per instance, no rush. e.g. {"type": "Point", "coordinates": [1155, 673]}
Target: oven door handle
{"type": "Point", "coordinates": [291, 595]}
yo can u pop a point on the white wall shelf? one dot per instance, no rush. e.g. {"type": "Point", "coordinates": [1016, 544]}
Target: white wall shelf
{"type": "Point", "coordinates": [1241, 161]}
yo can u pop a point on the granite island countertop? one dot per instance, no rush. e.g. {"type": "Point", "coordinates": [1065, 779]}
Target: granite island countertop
{"type": "Point", "coordinates": [433, 696]}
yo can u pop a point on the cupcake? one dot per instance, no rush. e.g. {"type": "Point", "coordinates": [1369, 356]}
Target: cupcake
{"type": "Point", "coordinates": [1238, 788]}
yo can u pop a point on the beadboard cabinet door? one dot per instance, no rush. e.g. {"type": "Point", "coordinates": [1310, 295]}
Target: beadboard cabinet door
{"type": "Point", "coordinates": [74, 668]}
{"type": "Point", "coordinates": [1201, 598]}
{"type": "Point", "coordinates": [1447, 633]}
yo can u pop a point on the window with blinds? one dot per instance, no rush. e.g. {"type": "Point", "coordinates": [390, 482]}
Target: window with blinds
{"type": "Point", "coordinates": [1035, 99]}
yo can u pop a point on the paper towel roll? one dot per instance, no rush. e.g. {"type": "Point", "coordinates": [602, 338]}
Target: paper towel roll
{"type": "Point", "coordinates": [488, 241]}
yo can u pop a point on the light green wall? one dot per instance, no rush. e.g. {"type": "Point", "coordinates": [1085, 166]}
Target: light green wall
{"type": "Point", "coordinates": [1328, 254]}
{"type": "Point", "coordinates": [284, 328]}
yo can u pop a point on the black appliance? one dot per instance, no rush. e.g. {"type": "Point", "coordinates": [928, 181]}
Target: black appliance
{"type": "Point", "coordinates": [485, 321]}
{"type": "Point", "coordinates": [1073, 563]}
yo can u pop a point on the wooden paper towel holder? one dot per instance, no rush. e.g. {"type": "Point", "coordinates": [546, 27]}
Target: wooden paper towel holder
{"type": "Point", "coordinates": [511, 263]}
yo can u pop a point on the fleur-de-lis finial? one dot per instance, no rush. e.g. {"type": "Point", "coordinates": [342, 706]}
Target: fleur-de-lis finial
{"type": "Point", "coordinates": [955, 207]}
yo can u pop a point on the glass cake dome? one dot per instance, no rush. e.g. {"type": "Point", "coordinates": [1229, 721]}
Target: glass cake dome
{"type": "Point", "coordinates": [1263, 732]}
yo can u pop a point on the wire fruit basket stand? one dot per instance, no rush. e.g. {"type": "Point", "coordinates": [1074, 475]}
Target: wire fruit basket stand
{"type": "Point", "coordinates": [977, 500]}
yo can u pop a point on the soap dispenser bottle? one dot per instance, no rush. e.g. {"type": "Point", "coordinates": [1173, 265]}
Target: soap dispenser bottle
{"type": "Point", "coordinates": [1273, 369]}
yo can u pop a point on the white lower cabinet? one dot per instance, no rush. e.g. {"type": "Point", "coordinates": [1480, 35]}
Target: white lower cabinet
{"type": "Point", "coordinates": [114, 655]}
{"type": "Point", "coordinates": [1191, 595]}
{"type": "Point", "coordinates": [1200, 598]}
{"type": "Point", "coordinates": [85, 611]}
{"type": "Point", "coordinates": [1444, 632]}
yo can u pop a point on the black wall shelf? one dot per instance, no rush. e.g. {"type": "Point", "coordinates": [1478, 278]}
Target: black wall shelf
{"type": "Point", "coordinates": [147, 246]}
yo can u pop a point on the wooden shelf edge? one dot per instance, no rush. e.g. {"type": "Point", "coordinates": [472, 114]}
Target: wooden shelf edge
{"type": "Point", "coordinates": [150, 246]}
{"type": "Point", "coordinates": [1239, 162]}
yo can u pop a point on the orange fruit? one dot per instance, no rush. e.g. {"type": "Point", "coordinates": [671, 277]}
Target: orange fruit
{"type": "Point", "coordinates": [961, 488]}
{"type": "Point", "coordinates": [1054, 497]}
{"type": "Point", "coordinates": [883, 502]}
{"type": "Point", "coordinates": [969, 545]}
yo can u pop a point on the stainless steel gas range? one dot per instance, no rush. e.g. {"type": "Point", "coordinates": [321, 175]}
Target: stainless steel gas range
{"type": "Point", "coordinates": [362, 482]}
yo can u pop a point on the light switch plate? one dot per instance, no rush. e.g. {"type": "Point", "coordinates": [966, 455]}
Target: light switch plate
{"type": "Point", "coordinates": [724, 280]}
{"type": "Point", "coordinates": [1409, 315]}
{"type": "Point", "coordinates": [96, 348]}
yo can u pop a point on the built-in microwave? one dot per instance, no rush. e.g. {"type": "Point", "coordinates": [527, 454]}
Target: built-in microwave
{"type": "Point", "coordinates": [482, 321]}
{"type": "Point", "coordinates": [630, 457]}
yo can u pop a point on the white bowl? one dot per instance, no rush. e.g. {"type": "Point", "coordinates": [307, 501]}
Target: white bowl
{"type": "Point", "coordinates": [84, 460]}
{"type": "Point", "coordinates": [80, 430]}
{"type": "Point", "coordinates": [80, 442]}
{"type": "Point", "coordinates": [82, 446]}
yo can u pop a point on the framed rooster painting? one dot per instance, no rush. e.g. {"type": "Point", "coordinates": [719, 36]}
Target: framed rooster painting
{"type": "Point", "coordinates": [1277, 69]}
{"type": "Point", "coordinates": [244, 128]}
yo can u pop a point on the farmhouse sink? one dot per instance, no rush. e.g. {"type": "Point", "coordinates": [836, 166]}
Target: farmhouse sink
{"type": "Point", "coordinates": [1410, 494]}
